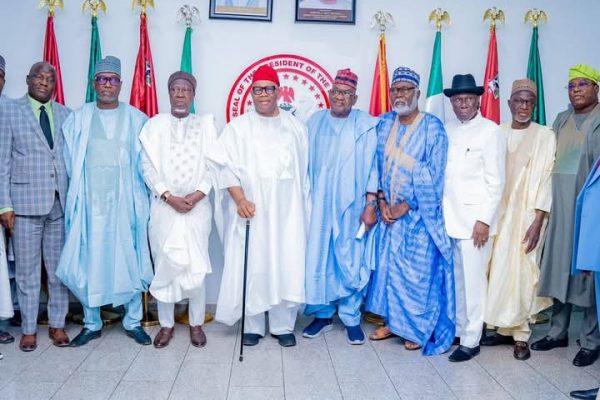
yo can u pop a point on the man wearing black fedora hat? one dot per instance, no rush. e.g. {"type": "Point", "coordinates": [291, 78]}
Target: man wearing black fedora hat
{"type": "Point", "coordinates": [472, 192]}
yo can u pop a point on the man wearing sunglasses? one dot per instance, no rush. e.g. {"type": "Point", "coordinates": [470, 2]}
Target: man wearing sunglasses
{"type": "Point", "coordinates": [578, 146]}
{"type": "Point", "coordinates": [106, 259]}
{"type": "Point", "coordinates": [343, 182]}
{"type": "Point", "coordinates": [33, 186]}
{"type": "Point", "coordinates": [260, 162]}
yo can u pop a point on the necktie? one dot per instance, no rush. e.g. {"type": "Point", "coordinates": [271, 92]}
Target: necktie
{"type": "Point", "coordinates": [45, 125]}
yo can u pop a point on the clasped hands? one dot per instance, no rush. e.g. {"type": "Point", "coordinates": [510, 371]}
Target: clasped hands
{"type": "Point", "coordinates": [389, 214]}
{"type": "Point", "coordinates": [187, 203]}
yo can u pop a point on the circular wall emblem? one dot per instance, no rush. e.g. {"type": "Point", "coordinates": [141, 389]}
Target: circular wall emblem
{"type": "Point", "coordinates": [304, 86]}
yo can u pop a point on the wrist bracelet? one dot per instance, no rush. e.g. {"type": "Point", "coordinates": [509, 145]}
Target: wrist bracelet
{"type": "Point", "coordinates": [372, 203]}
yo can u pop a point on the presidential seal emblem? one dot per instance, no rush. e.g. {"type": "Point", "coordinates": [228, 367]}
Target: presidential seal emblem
{"type": "Point", "coordinates": [303, 90]}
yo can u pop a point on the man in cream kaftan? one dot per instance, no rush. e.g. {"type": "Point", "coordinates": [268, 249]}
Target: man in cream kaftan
{"type": "Point", "coordinates": [514, 270]}
{"type": "Point", "coordinates": [180, 212]}
{"type": "Point", "coordinates": [261, 160]}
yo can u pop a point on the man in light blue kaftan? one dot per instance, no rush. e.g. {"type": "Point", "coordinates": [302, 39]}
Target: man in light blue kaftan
{"type": "Point", "coordinates": [343, 182]}
{"type": "Point", "coordinates": [412, 287]}
{"type": "Point", "coordinates": [106, 259]}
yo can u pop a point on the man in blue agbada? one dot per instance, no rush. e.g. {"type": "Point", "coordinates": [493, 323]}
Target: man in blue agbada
{"type": "Point", "coordinates": [106, 259]}
{"type": "Point", "coordinates": [343, 179]}
{"type": "Point", "coordinates": [412, 287]}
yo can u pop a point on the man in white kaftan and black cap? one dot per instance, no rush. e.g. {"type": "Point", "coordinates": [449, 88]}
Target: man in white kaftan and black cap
{"type": "Point", "coordinates": [174, 168]}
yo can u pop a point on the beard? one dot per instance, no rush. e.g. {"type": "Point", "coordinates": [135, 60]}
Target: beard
{"type": "Point", "coordinates": [404, 110]}
{"type": "Point", "coordinates": [522, 120]}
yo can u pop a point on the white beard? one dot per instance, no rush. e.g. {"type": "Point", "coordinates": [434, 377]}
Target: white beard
{"type": "Point", "coordinates": [403, 111]}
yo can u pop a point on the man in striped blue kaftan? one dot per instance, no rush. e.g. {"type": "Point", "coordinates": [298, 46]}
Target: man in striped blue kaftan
{"type": "Point", "coordinates": [412, 287]}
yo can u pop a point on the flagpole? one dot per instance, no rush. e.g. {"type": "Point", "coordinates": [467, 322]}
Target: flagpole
{"type": "Point", "coordinates": [490, 102]}
{"type": "Point", "coordinates": [50, 54]}
{"type": "Point", "coordinates": [95, 49]}
{"type": "Point", "coordinates": [189, 15]}
{"type": "Point", "coordinates": [380, 101]}
{"type": "Point", "coordinates": [534, 66]}
{"type": "Point", "coordinates": [435, 97]}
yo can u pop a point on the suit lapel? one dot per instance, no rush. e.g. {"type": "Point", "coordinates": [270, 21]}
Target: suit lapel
{"type": "Point", "coordinates": [33, 122]}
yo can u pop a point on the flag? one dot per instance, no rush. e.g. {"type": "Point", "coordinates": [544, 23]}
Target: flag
{"type": "Point", "coordinates": [143, 88]}
{"type": "Point", "coordinates": [95, 56]}
{"type": "Point", "coordinates": [534, 72]}
{"type": "Point", "coordinates": [490, 103]}
{"type": "Point", "coordinates": [435, 95]}
{"type": "Point", "coordinates": [186, 57]}
{"type": "Point", "coordinates": [51, 57]}
{"type": "Point", "coordinates": [380, 93]}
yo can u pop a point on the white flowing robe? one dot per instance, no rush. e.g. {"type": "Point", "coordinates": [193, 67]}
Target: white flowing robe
{"type": "Point", "coordinates": [174, 160]}
{"type": "Point", "coordinates": [514, 275]}
{"type": "Point", "coordinates": [268, 158]}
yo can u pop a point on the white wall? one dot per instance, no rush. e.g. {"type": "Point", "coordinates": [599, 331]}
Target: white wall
{"type": "Point", "coordinates": [222, 49]}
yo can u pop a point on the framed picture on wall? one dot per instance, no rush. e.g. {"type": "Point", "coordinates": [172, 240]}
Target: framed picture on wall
{"type": "Point", "coordinates": [256, 10]}
{"type": "Point", "coordinates": [329, 11]}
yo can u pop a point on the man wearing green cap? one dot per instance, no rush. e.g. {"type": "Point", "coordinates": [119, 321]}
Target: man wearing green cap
{"type": "Point", "coordinates": [578, 146]}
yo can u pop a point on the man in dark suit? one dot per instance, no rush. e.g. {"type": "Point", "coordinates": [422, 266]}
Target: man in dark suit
{"type": "Point", "coordinates": [33, 183]}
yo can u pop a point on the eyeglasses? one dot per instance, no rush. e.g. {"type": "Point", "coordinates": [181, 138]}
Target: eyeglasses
{"type": "Point", "coordinates": [402, 90]}
{"type": "Point", "coordinates": [524, 102]}
{"type": "Point", "coordinates": [582, 84]}
{"type": "Point", "coordinates": [258, 90]}
{"type": "Point", "coordinates": [345, 93]}
{"type": "Point", "coordinates": [180, 89]}
{"type": "Point", "coordinates": [103, 80]}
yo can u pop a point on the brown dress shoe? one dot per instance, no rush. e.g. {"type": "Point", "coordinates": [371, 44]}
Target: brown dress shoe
{"type": "Point", "coordinates": [28, 343]}
{"type": "Point", "coordinates": [59, 337]}
{"type": "Point", "coordinates": [197, 336]}
{"type": "Point", "coordinates": [521, 351]}
{"type": "Point", "coordinates": [163, 337]}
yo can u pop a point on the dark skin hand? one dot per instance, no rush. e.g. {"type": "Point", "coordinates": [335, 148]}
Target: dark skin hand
{"type": "Point", "coordinates": [7, 220]}
{"type": "Point", "coordinates": [369, 214]}
{"type": "Point", "coordinates": [532, 236]}
{"type": "Point", "coordinates": [246, 208]}
{"type": "Point", "coordinates": [389, 215]}
{"type": "Point", "coordinates": [187, 203]}
{"type": "Point", "coordinates": [481, 234]}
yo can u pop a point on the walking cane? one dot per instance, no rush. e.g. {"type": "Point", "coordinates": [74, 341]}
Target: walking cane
{"type": "Point", "coordinates": [244, 289]}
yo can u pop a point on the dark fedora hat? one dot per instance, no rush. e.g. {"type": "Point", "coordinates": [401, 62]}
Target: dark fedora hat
{"type": "Point", "coordinates": [463, 84]}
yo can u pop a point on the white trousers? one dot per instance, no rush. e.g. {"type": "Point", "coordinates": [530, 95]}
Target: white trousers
{"type": "Point", "coordinates": [282, 319]}
{"type": "Point", "coordinates": [470, 275]}
{"type": "Point", "coordinates": [196, 310]}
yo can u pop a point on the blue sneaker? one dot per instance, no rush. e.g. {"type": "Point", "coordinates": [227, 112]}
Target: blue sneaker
{"type": "Point", "coordinates": [355, 334]}
{"type": "Point", "coordinates": [317, 327]}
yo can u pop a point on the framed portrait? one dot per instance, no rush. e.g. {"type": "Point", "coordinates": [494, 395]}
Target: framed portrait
{"type": "Point", "coordinates": [329, 11]}
{"type": "Point", "coordinates": [255, 10]}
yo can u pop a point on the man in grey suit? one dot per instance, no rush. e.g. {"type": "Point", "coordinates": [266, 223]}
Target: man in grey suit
{"type": "Point", "coordinates": [33, 183]}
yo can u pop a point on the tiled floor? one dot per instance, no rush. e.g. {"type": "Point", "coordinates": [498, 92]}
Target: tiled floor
{"type": "Point", "coordinates": [114, 367]}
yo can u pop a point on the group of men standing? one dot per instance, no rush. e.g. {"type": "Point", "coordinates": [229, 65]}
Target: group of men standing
{"type": "Point", "coordinates": [436, 228]}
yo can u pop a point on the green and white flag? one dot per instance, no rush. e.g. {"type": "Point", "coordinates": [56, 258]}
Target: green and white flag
{"type": "Point", "coordinates": [435, 96]}
{"type": "Point", "coordinates": [95, 55]}
{"type": "Point", "coordinates": [534, 72]}
{"type": "Point", "coordinates": [186, 57]}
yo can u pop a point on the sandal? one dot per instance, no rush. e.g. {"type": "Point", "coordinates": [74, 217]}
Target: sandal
{"type": "Point", "coordinates": [381, 333]}
{"type": "Point", "coordinates": [6, 337]}
{"type": "Point", "coordinates": [411, 346]}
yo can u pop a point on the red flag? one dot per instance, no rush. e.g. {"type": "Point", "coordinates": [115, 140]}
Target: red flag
{"type": "Point", "coordinates": [51, 57]}
{"type": "Point", "coordinates": [143, 89]}
{"type": "Point", "coordinates": [490, 103]}
{"type": "Point", "coordinates": [380, 93]}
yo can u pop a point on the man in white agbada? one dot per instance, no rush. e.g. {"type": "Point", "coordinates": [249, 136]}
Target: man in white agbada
{"type": "Point", "coordinates": [175, 170]}
{"type": "Point", "coordinates": [514, 269]}
{"type": "Point", "coordinates": [261, 159]}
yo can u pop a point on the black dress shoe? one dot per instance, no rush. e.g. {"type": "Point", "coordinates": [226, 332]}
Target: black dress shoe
{"type": "Point", "coordinates": [456, 341]}
{"type": "Point", "coordinates": [251, 339]}
{"type": "Point", "coordinates": [589, 394]}
{"type": "Point", "coordinates": [139, 335]}
{"type": "Point", "coordinates": [286, 340]}
{"type": "Point", "coordinates": [548, 343]}
{"type": "Point", "coordinates": [496, 340]}
{"type": "Point", "coordinates": [585, 357]}
{"type": "Point", "coordinates": [463, 353]}
{"type": "Point", "coordinates": [84, 337]}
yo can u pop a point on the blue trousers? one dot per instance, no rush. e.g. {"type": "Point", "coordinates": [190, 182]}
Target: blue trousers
{"type": "Point", "coordinates": [348, 309]}
{"type": "Point", "coordinates": [133, 314]}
